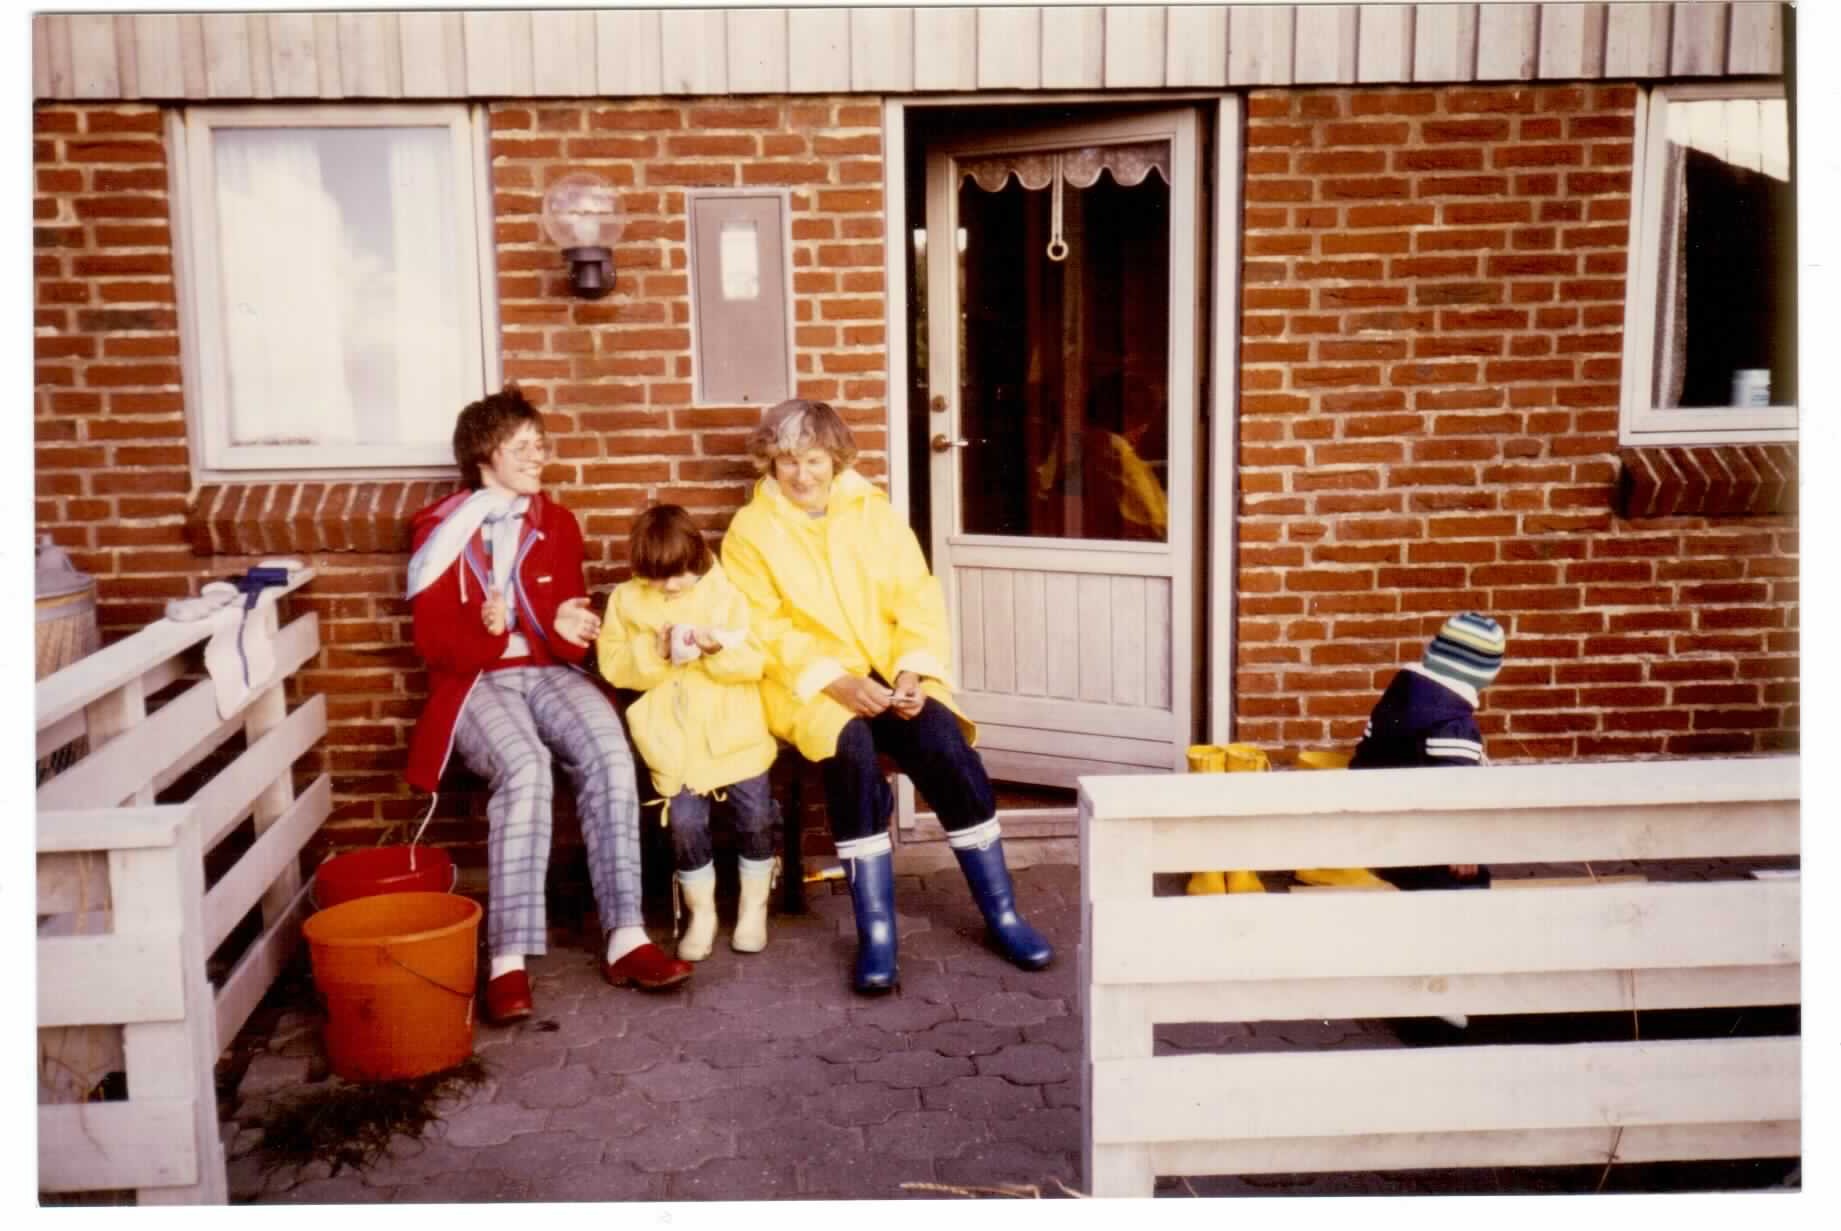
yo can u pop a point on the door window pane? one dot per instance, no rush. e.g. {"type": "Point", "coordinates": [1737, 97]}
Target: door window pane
{"type": "Point", "coordinates": [1064, 403]}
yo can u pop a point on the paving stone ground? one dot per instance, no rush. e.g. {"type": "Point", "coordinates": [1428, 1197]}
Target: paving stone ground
{"type": "Point", "coordinates": [764, 1077]}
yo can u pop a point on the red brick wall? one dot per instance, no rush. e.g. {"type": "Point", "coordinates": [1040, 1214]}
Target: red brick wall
{"type": "Point", "coordinates": [1433, 310]}
{"type": "Point", "coordinates": [613, 377]}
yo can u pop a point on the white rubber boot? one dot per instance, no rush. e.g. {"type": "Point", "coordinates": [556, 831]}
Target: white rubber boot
{"type": "Point", "coordinates": [699, 890]}
{"type": "Point", "coordinates": [757, 878]}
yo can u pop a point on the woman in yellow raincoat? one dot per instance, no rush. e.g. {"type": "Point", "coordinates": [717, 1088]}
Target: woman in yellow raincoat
{"type": "Point", "coordinates": [854, 627]}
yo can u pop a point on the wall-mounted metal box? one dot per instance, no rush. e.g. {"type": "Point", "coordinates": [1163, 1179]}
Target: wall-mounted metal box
{"type": "Point", "coordinates": [740, 279]}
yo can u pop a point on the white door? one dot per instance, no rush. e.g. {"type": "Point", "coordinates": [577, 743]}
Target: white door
{"type": "Point", "coordinates": [1063, 345]}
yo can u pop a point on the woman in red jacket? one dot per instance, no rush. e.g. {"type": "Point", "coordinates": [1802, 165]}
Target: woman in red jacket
{"type": "Point", "coordinates": [502, 618]}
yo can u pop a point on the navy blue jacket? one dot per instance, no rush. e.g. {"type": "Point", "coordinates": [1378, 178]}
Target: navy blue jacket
{"type": "Point", "coordinates": [1418, 721]}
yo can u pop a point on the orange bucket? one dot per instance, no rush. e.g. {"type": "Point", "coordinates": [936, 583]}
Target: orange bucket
{"type": "Point", "coordinates": [396, 971]}
{"type": "Point", "coordinates": [382, 869]}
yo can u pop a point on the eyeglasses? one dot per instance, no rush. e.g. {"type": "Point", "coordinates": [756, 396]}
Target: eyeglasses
{"type": "Point", "coordinates": [528, 450]}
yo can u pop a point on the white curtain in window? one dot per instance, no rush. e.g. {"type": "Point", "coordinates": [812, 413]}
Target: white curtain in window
{"type": "Point", "coordinates": [426, 322]}
{"type": "Point", "coordinates": [282, 245]}
{"type": "Point", "coordinates": [1129, 164]}
{"type": "Point", "coordinates": [1672, 282]}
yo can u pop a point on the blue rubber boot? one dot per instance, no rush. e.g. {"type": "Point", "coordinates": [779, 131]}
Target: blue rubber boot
{"type": "Point", "coordinates": [869, 866]}
{"type": "Point", "coordinates": [980, 851]}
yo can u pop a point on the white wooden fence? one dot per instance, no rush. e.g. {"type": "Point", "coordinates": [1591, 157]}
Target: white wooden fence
{"type": "Point", "coordinates": [125, 920]}
{"type": "Point", "coordinates": [1592, 947]}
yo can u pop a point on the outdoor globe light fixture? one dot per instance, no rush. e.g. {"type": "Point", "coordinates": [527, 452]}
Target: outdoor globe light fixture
{"type": "Point", "coordinates": [581, 215]}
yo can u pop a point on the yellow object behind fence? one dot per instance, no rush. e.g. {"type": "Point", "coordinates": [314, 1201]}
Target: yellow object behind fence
{"type": "Point", "coordinates": [1342, 878]}
{"type": "Point", "coordinates": [1233, 759]}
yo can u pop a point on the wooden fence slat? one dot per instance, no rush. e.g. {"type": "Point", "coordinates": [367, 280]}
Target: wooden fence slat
{"type": "Point", "coordinates": [1572, 40]}
{"type": "Point", "coordinates": [1326, 44]}
{"type": "Point", "coordinates": [693, 51]}
{"type": "Point", "coordinates": [137, 1144]}
{"type": "Point", "coordinates": [1508, 44]}
{"type": "Point", "coordinates": [758, 51]}
{"type": "Point", "coordinates": [627, 52]}
{"type": "Point", "coordinates": [256, 869]}
{"type": "Point", "coordinates": [229, 796]}
{"type": "Point", "coordinates": [1636, 40]}
{"type": "Point", "coordinates": [1009, 43]}
{"type": "Point", "coordinates": [1134, 46]}
{"type": "Point", "coordinates": [117, 769]}
{"type": "Point", "coordinates": [1073, 48]}
{"type": "Point", "coordinates": [131, 977]}
{"type": "Point", "coordinates": [562, 53]}
{"type": "Point", "coordinates": [1195, 46]}
{"type": "Point", "coordinates": [106, 829]}
{"type": "Point", "coordinates": [1260, 42]}
{"type": "Point", "coordinates": [1384, 49]}
{"type": "Point", "coordinates": [1698, 46]}
{"type": "Point", "coordinates": [1482, 1088]}
{"type": "Point", "coordinates": [327, 58]}
{"type": "Point", "coordinates": [1535, 835]}
{"type": "Point", "coordinates": [945, 49]}
{"type": "Point", "coordinates": [498, 50]}
{"type": "Point", "coordinates": [1445, 42]}
{"type": "Point", "coordinates": [1756, 39]}
{"type": "Point", "coordinates": [818, 50]}
{"type": "Point", "coordinates": [1537, 1148]}
{"type": "Point", "coordinates": [1601, 785]}
{"type": "Point", "coordinates": [434, 48]}
{"type": "Point", "coordinates": [1600, 927]}
{"type": "Point", "coordinates": [1573, 991]}
{"type": "Point", "coordinates": [95, 675]}
{"type": "Point", "coordinates": [261, 964]}
{"type": "Point", "coordinates": [62, 70]}
{"type": "Point", "coordinates": [71, 882]}
{"type": "Point", "coordinates": [125, 61]}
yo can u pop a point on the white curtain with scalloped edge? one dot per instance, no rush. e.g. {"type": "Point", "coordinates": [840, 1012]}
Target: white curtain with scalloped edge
{"type": "Point", "coordinates": [281, 244]}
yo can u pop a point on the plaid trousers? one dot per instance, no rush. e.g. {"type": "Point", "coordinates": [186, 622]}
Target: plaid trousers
{"type": "Point", "coordinates": [515, 720]}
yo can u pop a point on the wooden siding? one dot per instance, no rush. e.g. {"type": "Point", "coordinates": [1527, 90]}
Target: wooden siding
{"type": "Point", "coordinates": [640, 52]}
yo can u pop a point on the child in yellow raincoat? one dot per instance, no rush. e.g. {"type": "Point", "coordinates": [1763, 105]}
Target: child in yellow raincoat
{"type": "Point", "coordinates": [678, 631]}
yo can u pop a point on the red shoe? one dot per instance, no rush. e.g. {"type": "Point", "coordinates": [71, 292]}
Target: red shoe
{"type": "Point", "coordinates": [508, 998]}
{"type": "Point", "coordinates": [647, 968]}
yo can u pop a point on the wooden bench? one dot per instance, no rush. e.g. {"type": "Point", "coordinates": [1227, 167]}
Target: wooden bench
{"type": "Point", "coordinates": [1620, 945]}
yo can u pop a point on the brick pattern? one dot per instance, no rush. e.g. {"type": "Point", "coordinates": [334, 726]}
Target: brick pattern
{"type": "Point", "coordinates": [1432, 317]}
{"type": "Point", "coordinates": [614, 378]}
{"type": "Point", "coordinates": [615, 375]}
{"type": "Point", "coordinates": [308, 517]}
{"type": "Point", "coordinates": [109, 447]}
{"type": "Point", "coordinates": [1707, 481]}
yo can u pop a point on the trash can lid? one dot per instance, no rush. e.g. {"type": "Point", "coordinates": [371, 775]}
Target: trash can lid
{"type": "Point", "coordinates": [56, 575]}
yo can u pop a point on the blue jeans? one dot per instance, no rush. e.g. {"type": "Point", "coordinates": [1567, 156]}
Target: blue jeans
{"type": "Point", "coordinates": [929, 748]}
{"type": "Point", "coordinates": [756, 814]}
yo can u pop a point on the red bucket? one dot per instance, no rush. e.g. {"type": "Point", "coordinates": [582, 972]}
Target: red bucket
{"type": "Point", "coordinates": [383, 869]}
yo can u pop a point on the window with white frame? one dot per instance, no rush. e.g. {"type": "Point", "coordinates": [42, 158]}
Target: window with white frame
{"type": "Point", "coordinates": [1710, 314]}
{"type": "Point", "coordinates": [335, 262]}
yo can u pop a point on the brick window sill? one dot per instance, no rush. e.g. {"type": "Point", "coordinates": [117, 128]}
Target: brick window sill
{"type": "Point", "coordinates": [1707, 480]}
{"type": "Point", "coordinates": [280, 517]}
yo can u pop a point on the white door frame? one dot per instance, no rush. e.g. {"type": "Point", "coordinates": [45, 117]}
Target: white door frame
{"type": "Point", "coordinates": [1218, 490]}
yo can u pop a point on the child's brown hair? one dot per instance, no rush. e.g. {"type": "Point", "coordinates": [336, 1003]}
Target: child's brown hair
{"type": "Point", "coordinates": [665, 542]}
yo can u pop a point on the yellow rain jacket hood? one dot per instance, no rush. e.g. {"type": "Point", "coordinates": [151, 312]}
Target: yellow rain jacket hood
{"type": "Point", "coordinates": [848, 592]}
{"type": "Point", "coordinates": [701, 724]}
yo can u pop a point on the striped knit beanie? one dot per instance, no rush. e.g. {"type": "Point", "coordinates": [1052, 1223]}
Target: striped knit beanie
{"type": "Point", "coordinates": [1467, 649]}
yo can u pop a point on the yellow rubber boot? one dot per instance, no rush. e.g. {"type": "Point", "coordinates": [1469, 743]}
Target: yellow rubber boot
{"type": "Point", "coordinates": [1342, 878]}
{"type": "Point", "coordinates": [1202, 883]}
{"type": "Point", "coordinates": [1244, 882]}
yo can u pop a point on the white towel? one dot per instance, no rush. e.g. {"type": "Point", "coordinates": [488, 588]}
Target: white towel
{"type": "Point", "coordinates": [241, 654]}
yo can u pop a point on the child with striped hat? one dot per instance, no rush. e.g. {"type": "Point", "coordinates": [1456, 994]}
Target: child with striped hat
{"type": "Point", "coordinates": [1427, 717]}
